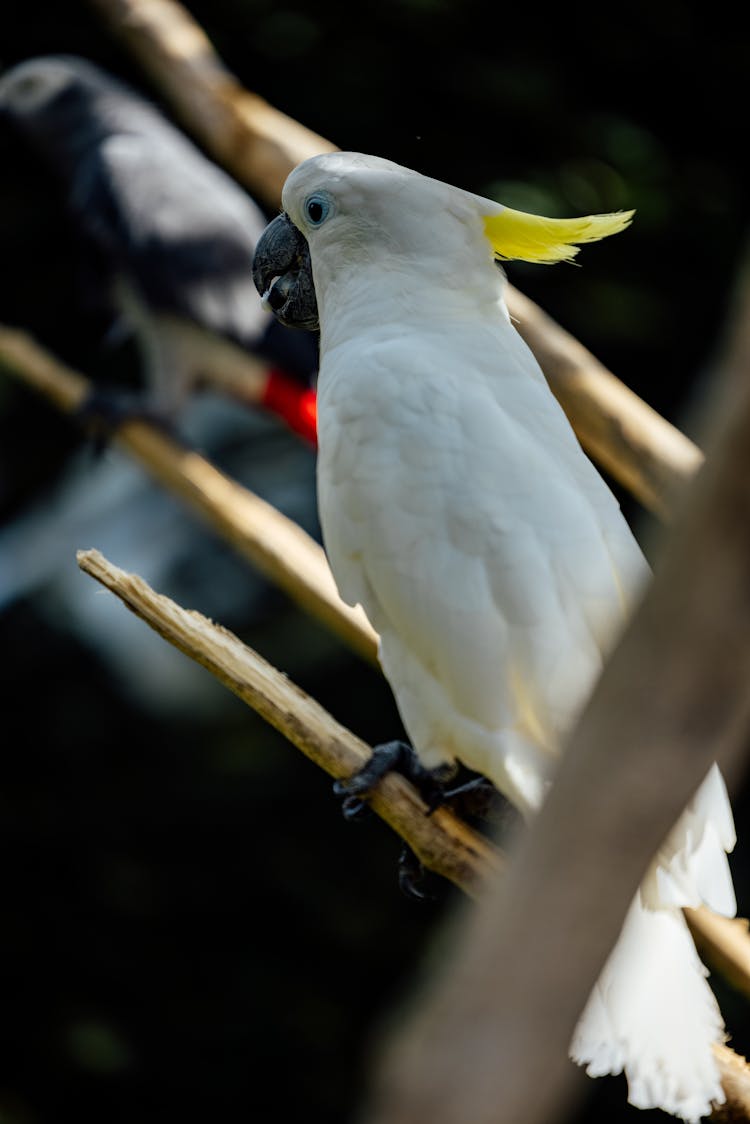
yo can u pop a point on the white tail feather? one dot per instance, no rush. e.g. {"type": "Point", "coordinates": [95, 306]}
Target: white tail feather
{"type": "Point", "coordinates": [691, 867]}
{"type": "Point", "coordinates": [652, 1013]}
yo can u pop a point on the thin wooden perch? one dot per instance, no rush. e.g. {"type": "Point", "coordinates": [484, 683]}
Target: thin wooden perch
{"type": "Point", "coordinates": [260, 146]}
{"type": "Point", "coordinates": [275, 545]}
{"type": "Point", "coordinates": [442, 842]}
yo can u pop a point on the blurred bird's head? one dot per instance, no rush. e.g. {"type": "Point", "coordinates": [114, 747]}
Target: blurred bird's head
{"type": "Point", "coordinates": [347, 214]}
{"type": "Point", "coordinates": [46, 95]}
{"type": "Point", "coordinates": [63, 104]}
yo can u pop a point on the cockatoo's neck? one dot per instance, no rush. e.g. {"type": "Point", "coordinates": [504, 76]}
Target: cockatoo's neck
{"type": "Point", "coordinates": [374, 297]}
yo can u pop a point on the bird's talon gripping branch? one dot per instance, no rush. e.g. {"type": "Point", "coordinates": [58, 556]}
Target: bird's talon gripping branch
{"type": "Point", "coordinates": [478, 798]}
{"type": "Point", "coordinates": [394, 756]}
{"type": "Point", "coordinates": [385, 758]}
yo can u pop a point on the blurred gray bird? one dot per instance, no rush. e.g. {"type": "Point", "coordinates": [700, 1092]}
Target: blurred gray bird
{"type": "Point", "coordinates": [175, 233]}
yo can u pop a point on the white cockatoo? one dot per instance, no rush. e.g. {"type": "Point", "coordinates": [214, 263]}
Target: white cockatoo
{"type": "Point", "coordinates": [459, 510]}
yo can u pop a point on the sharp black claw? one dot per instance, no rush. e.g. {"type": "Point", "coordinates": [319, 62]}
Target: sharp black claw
{"type": "Point", "coordinates": [354, 809]}
{"type": "Point", "coordinates": [414, 879]}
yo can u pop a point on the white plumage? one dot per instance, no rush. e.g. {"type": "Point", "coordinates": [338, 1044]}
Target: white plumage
{"type": "Point", "coordinates": [458, 508]}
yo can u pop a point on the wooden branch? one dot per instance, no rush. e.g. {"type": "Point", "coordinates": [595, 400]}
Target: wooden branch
{"type": "Point", "coordinates": [260, 146]}
{"type": "Point", "coordinates": [735, 1079]}
{"type": "Point", "coordinates": [672, 699]}
{"type": "Point", "coordinates": [634, 443]}
{"type": "Point", "coordinates": [442, 842]}
{"type": "Point", "coordinates": [724, 944]}
{"type": "Point", "coordinates": [275, 545]}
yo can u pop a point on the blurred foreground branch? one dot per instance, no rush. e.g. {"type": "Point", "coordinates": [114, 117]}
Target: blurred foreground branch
{"type": "Point", "coordinates": [442, 842]}
{"type": "Point", "coordinates": [672, 699]}
{"type": "Point", "coordinates": [259, 146]}
{"type": "Point", "coordinates": [275, 545]}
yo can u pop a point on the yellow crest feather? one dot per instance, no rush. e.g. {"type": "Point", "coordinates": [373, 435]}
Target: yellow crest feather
{"type": "Point", "coordinates": [517, 235]}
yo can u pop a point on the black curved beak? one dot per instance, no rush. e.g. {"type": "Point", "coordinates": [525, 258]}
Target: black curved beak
{"type": "Point", "coordinates": [283, 275]}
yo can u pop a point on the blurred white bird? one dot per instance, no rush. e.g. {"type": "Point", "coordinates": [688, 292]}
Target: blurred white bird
{"type": "Point", "coordinates": [458, 508]}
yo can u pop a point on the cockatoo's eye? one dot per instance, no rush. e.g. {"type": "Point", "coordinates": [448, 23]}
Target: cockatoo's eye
{"type": "Point", "coordinates": [317, 209]}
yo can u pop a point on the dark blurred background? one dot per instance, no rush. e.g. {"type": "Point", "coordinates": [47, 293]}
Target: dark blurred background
{"type": "Point", "coordinates": [188, 928]}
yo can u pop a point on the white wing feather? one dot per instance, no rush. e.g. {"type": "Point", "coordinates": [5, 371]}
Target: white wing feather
{"type": "Point", "coordinates": [488, 553]}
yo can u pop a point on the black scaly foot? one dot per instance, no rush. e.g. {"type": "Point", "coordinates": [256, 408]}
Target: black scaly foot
{"type": "Point", "coordinates": [471, 796]}
{"type": "Point", "coordinates": [414, 880]}
{"type": "Point", "coordinates": [475, 797]}
{"type": "Point", "coordinates": [391, 757]}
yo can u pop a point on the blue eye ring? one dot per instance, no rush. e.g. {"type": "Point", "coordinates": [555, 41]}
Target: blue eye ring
{"type": "Point", "coordinates": [317, 209]}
